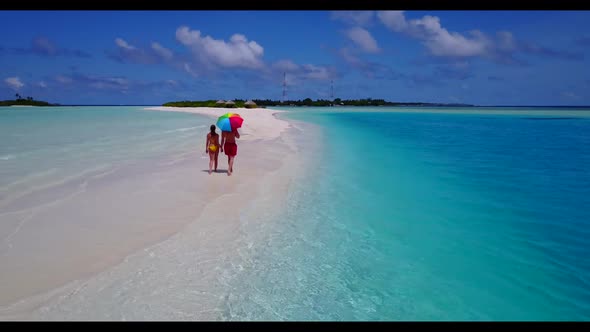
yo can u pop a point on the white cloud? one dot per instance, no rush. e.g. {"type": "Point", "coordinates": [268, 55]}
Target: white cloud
{"type": "Point", "coordinates": [208, 55]}
{"type": "Point", "coordinates": [123, 44]}
{"type": "Point", "coordinates": [363, 39]}
{"type": "Point", "coordinates": [286, 65]}
{"type": "Point", "coordinates": [162, 51]}
{"type": "Point", "coordinates": [187, 36]}
{"type": "Point", "coordinates": [128, 53]}
{"type": "Point", "coordinates": [437, 39]}
{"type": "Point", "coordinates": [42, 84]}
{"type": "Point", "coordinates": [356, 17]}
{"type": "Point", "coordinates": [393, 19]}
{"type": "Point", "coordinates": [14, 82]}
{"type": "Point", "coordinates": [440, 42]}
{"type": "Point", "coordinates": [187, 68]}
{"type": "Point", "coordinates": [237, 53]}
{"type": "Point", "coordinates": [317, 72]}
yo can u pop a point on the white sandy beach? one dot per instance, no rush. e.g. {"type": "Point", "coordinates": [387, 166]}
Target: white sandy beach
{"type": "Point", "coordinates": [259, 123]}
{"type": "Point", "coordinates": [129, 260]}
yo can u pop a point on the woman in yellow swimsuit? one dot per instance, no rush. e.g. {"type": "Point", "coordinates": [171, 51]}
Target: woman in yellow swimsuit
{"type": "Point", "coordinates": [212, 147]}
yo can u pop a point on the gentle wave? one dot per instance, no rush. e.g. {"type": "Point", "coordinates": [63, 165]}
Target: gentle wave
{"type": "Point", "coordinates": [184, 129]}
{"type": "Point", "coordinates": [52, 184]}
{"type": "Point", "coordinates": [34, 177]}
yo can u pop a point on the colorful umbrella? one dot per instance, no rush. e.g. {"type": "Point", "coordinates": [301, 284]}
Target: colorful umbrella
{"type": "Point", "coordinates": [229, 122]}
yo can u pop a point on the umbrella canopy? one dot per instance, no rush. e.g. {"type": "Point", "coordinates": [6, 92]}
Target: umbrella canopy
{"type": "Point", "coordinates": [229, 122]}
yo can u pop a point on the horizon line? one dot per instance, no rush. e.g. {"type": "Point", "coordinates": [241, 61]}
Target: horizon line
{"type": "Point", "coordinates": [440, 105]}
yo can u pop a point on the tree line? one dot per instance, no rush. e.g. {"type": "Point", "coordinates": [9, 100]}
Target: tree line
{"type": "Point", "coordinates": [28, 101]}
{"type": "Point", "coordinates": [305, 102]}
{"type": "Point", "coordinates": [345, 102]}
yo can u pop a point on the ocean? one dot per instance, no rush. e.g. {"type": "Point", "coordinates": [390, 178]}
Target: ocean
{"type": "Point", "coordinates": [402, 214]}
{"type": "Point", "coordinates": [431, 214]}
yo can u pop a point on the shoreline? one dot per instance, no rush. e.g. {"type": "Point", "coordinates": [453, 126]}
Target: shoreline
{"type": "Point", "coordinates": [212, 232]}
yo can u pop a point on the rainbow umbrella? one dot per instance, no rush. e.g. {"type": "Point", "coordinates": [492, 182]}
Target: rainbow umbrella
{"type": "Point", "coordinates": [229, 121]}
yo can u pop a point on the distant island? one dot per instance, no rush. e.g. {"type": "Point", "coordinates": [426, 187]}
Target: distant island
{"type": "Point", "coordinates": [28, 101]}
{"type": "Point", "coordinates": [308, 102]}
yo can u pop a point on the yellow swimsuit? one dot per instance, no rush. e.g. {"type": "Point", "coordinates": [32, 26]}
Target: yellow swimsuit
{"type": "Point", "coordinates": [212, 147]}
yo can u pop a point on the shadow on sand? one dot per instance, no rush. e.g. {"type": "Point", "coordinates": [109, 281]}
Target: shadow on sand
{"type": "Point", "coordinates": [218, 171]}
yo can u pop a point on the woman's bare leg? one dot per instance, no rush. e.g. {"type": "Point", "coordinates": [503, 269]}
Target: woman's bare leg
{"type": "Point", "coordinates": [216, 157]}
{"type": "Point", "coordinates": [231, 166]}
{"type": "Point", "coordinates": [211, 161]}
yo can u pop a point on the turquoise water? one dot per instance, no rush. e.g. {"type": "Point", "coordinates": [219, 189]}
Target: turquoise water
{"type": "Point", "coordinates": [430, 216]}
{"type": "Point", "coordinates": [51, 145]}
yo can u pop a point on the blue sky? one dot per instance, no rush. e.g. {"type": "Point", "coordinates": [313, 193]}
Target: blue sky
{"type": "Point", "coordinates": [151, 57]}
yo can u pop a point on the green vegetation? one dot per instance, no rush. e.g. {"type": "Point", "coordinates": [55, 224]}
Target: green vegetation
{"type": "Point", "coordinates": [305, 102]}
{"type": "Point", "coordinates": [209, 103]}
{"type": "Point", "coordinates": [345, 102]}
{"type": "Point", "coordinates": [28, 101]}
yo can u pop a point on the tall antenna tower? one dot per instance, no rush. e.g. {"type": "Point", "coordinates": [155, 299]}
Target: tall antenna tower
{"type": "Point", "coordinates": [332, 88]}
{"type": "Point", "coordinates": [284, 86]}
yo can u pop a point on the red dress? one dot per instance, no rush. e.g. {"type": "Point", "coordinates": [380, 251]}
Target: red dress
{"type": "Point", "coordinates": [230, 149]}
